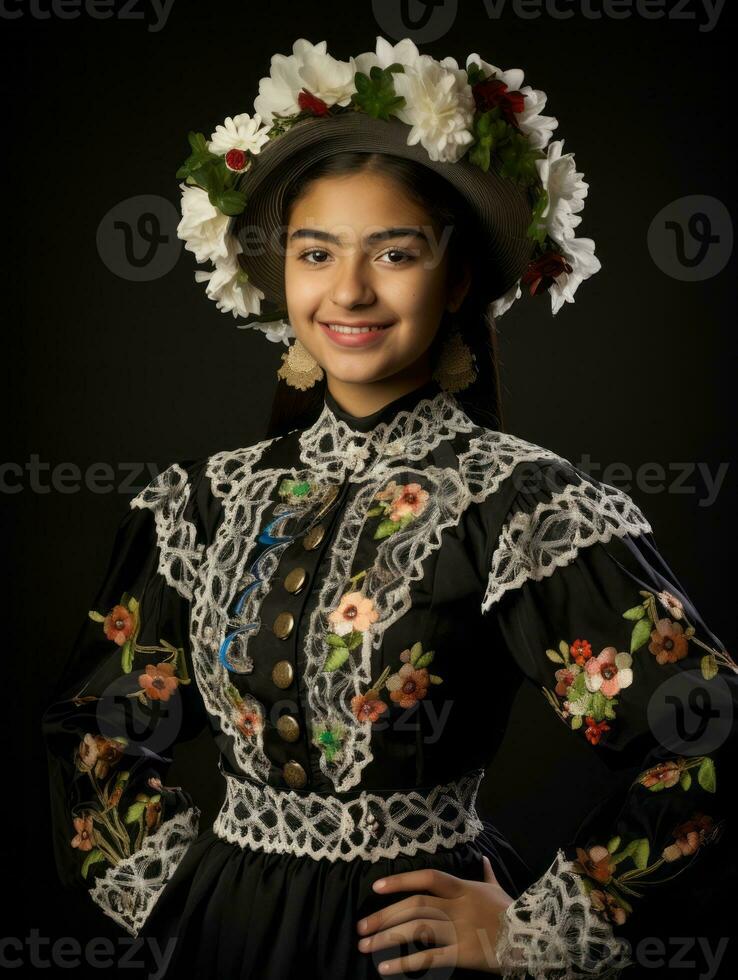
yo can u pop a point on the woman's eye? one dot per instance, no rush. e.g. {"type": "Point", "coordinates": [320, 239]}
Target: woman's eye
{"type": "Point", "coordinates": [403, 256]}
{"type": "Point", "coordinates": [312, 251]}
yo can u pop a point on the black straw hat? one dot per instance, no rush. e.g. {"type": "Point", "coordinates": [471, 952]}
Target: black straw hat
{"type": "Point", "coordinates": [501, 206]}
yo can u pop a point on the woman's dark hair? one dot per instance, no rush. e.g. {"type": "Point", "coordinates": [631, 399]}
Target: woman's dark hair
{"type": "Point", "coordinates": [296, 409]}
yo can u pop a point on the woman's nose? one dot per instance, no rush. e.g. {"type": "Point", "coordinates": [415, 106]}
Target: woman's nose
{"type": "Point", "coordinates": [351, 285]}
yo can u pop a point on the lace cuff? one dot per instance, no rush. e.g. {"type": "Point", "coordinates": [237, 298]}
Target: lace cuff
{"type": "Point", "coordinates": [551, 932]}
{"type": "Point", "coordinates": [128, 891]}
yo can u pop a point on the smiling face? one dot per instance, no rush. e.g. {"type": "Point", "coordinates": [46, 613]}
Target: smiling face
{"type": "Point", "coordinates": [361, 252]}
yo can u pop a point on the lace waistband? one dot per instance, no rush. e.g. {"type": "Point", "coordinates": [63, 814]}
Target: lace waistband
{"type": "Point", "coordinates": [368, 826]}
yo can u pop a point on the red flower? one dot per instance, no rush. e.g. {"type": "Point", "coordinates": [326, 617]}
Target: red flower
{"type": "Point", "coordinates": [158, 681]}
{"type": "Point", "coordinates": [492, 93]}
{"type": "Point", "coordinates": [581, 650]}
{"type": "Point", "coordinates": [542, 273]}
{"type": "Point", "coordinates": [237, 160]}
{"type": "Point", "coordinates": [367, 707]}
{"type": "Point", "coordinates": [594, 730]}
{"type": "Point", "coordinates": [119, 624]}
{"type": "Point", "coordinates": [312, 104]}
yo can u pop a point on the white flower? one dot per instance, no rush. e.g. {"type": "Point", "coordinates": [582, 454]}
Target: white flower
{"type": "Point", "coordinates": [228, 285]}
{"type": "Point", "coordinates": [355, 456]}
{"type": "Point", "coordinates": [670, 602]}
{"type": "Point", "coordinates": [439, 108]}
{"type": "Point", "coordinates": [579, 253]}
{"type": "Point", "coordinates": [203, 227]}
{"type": "Point", "coordinates": [532, 124]}
{"type": "Point", "coordinates": [278, 331]}
{"type": "Point", "coordinates": [308, 67]}
{"type": "Point", "coordinates": [404, 53]}
{"type": "Point", "coordinates": [242, 132]}
{"type": "Point", "coordinates": [503, 303]}
{"type": "Point", "coordinates": [566, 192]}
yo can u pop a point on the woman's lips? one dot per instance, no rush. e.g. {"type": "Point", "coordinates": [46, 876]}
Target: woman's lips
{"type": "Point", "coordinates": [365, 338]}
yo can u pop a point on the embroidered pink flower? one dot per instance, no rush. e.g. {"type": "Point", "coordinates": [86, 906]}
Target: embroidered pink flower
{"type": "Point", "coordinates": [608, 672]}
{"type": "Point", "coordinates": [408, 685]}
{"type": "Point", "coordinates": [688, 837]}
{"type": "Point", "coordinates": [668, 642]}
{"type": "Point", "coordinates": [389, 491]}
{"type": "Point", "coordinates": [119, 625]}
{"type": "Point", "coordinates": [674, 605]}
{"type": "Point", "coordinates": [367, 707]}
{"type": "Point", "coordinates": [565, 678]}
{"type": "Point", "coordinates": [596, 863]}
{"type": "Point", "coordinates": [664, 774]}
{"type": "Point", "coordinates": [85, 836]}
{"type": "Point", "coordinates": [248, 722]}
{"type": "Point", "coordinates": [410, 499]}
{"type": "Point", "coordinates": [355, 612]}
{"type": "Point", "coordinates": [605, 903]}
{"type": "Point", "coordinates": [158, 681]}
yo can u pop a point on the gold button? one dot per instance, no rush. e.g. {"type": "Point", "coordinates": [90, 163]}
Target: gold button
{"type": "Point", "coordinates": [295, 579]}
{"type": "Point", "coordinates": [288, 727]}
{"type": "Point", "coordinates": [283, 624]}
{"type": "Point", "coordinates": [282, 673]}
{"type": "Point", "coordinates": [313, 538]}
{"type": "Point", "coordinates": [294, 774]}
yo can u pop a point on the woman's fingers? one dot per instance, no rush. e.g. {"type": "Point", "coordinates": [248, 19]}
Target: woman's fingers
{"type": "Point", "coordinates": [408, 908]}
{"type": "Point", "coordinates": [438, 956]}
{"type": "Point", "coordinates": [429, 931]}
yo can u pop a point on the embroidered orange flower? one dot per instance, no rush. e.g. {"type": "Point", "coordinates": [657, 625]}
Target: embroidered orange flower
{"type": "Point", "coordinates": [99, 754]}
{"type": "Point", "coordinates": [366, 707]}
{"type": "Point", "coordinates": [119, 625]}
{"type": "Point", "coordinates": [593, 731]}
{"type": "Point", "coordinates": [248, 721]}
{"type": "Point", "coordinates": [565, 678]}
{"type": "Point", "coordinates": [596, 863]}
{"type": "Point", "coordinates": [664, 774]}
{"type": "Point", "coordinates": [408, 685]}
{"type": "Point", "coordinates": [608, 672]}
{"type": "Point", "coordinates": [158, 681]}
{"type": "Point", "coordinates": [581, 650]}
{"type": "Point", "coordinates": [605, 903]}
{"type": "Point", "coordinates": [84, 839]}
{"type": "Point", "coordinates": [688, 837]}
{"type": "Point", "coordinates": [668, 642]}
{"type": "Point", "coordinates": [355, 611]}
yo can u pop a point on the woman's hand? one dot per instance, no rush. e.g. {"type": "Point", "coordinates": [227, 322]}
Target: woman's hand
{"type": "Point", "coordinates": [459, 916]}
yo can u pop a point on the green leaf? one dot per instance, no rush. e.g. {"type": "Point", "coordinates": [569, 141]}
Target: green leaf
{"type": "Point", "coordinates": [564, 650]}
{"type": "Point", "coordinates": [537, 228]}
{"type": "Point", "coordinates": [641, 634]}
{"type": "Point", "coordinates": [126, 657]}
{"type": "Point", "coordinates": [416, 652]}
{"type": "Point", "coordinates": [93, 857]}
{"type": "Point", "coordinates": [613, 844]}
{"type": "Point", "coordinates": [375, 94]}
{"type": "Point", "coordinates": [706, 775]}
{"type": "Point", "coordinates": [599, 705]}
{"type": "Point", "coordinates": [385, 528]}
{"type": "Point", "coordinates": [634, 613]}
{"type": "Point", "coordinates": [333, 640]}
{"type": "Point", "coordinates": [354, 639]}
{"type": "Point", "coordinates": [99, 618]}
{"type": "Point", "coordinates": [336, 659]}
{"type": "Point", "coordinates": [556, 657]}
{"type": "Point", "coordinates": [425, 660]}
{"type": "Point", "coordinates": [640, 854]}
{"type": "Point", "coordinates": [708, 666]}
{"type": "Point", "coordinates": [576, 721]}
{"type": "Point", "coordinates": [685, 780]}
{"type": "Point", "coordinates": [229, 202]}
{"type": "Point", "coordinates": [435, 679]}
{"type": "Point", "coordinates": [375, 511]}
{"type": "Point", "coordinates": [134, 812]}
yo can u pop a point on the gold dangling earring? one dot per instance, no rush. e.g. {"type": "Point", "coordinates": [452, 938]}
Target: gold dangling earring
{"type": "Point", "coordinates": [299, 368]}
{"type": "Point", "coordinates": [456, 366]}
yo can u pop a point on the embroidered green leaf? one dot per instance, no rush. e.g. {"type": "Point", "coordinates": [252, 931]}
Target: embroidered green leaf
{"type": "Point", "coordinates": [416, 652]}
{"type": "Point", "coordinates": [385, 528]}
{"type": "Point", "coordinates": [610, 708]}
{"type": "Point", "coordinates": [425, 660]}
{"type": "Point", "coordinates": [576, 721]}
{"type": "Point", "coordinates": [336, 659]}
{"type": "Point", "coordinates": [640, 635]}
{"type": "Point", "coordinates": [578, 688]}
{"type": "Point", "coordinates": [126, 656]}
{"type": "Point", "coordinates": [640, 853]}
{"type": "Point", "coordinates": [99, 618]}
{"type": "Point", "coordinates": [375, 93]}
{"type": "Point", "coordinates": [135, 811]}
{"type": "Point", "coordinates": [475, 73]}
{"type": "Point", "coordinates": [613, 844]}
{"type": "Point", "coordinates": [489, 131]}
{"type": "Point", "coordinates": [93, 857]}
{"type": "Point", "coordinates": [353, 640]}
{"type": "Point", "coordinates": [599, 705]}
{"type": "Point", "coordinates": [708, 666]}
{"type": "Point", "coordinates": [333, 640]}
{"type": "Point", "coordinates": [556, 657]}
{"type": "Point", "coordinates": [375, 511]}
{"type": "Point", "coordinates": [706, 775]}
{"type": "Point", "coordinates": [537, 228]}
{"type": "Point", "coordinates": [564, 650]}
{"type": "Point", "coordinates": [435, 679]}
{"type": "Point", "coordinates": [685, 780]}
{"type": "Point", "coordinates": [634, 613]}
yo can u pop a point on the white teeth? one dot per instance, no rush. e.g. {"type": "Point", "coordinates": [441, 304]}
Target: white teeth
{"type": "Point", "coordinates": [339, 328]}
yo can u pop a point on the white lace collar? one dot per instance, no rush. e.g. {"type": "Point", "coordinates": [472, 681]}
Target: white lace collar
{"type": "Point", "coordinates": [409, 427]}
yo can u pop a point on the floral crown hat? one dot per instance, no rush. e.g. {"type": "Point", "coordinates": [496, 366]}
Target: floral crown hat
{"type": "Point", "coordinates": [479, 127]}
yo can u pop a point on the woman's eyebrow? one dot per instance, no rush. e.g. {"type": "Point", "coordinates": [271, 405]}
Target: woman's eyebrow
{"type": "Point", "coordinates": [376, 236]}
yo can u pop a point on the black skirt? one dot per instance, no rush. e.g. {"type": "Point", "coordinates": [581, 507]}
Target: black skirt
{"type": "Point", "coordinates": [241, 914]}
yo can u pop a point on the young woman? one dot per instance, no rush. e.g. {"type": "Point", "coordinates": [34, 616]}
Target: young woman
{"type": "Point", "coordinates": [347, 602]}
